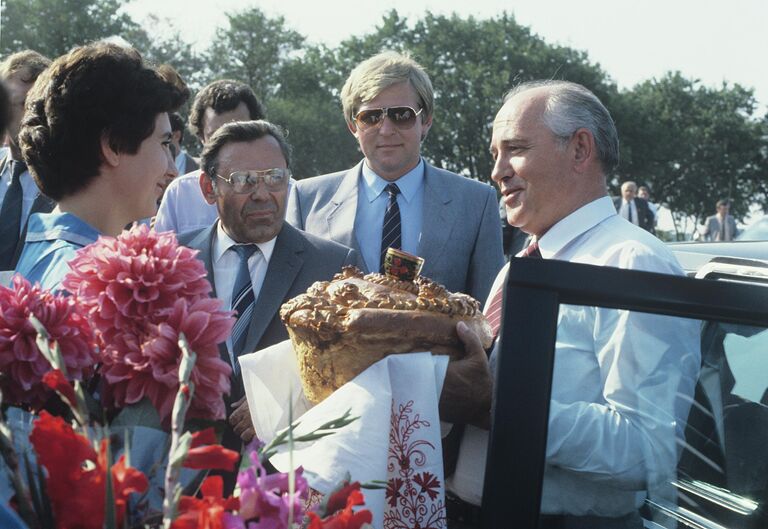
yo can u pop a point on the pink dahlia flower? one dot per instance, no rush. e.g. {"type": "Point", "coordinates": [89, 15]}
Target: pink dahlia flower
{"type": "Point", "coordinates": [140, 274]}
{"type": "Point", "coordinates": [135, 365]}
{"type": "Point", "coordinates": [21, 360]}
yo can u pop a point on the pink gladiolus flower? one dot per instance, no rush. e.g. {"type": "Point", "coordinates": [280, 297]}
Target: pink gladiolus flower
{"type": "Point", "coordinates": [20, 359]}
{"type": "Point", "coordinates": [266, 497]}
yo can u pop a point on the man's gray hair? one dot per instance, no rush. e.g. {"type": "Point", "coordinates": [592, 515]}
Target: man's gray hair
{"type": "Point", "coordinates": [240, 132]}
{"type": "Point", "coordinates": [570, 107]}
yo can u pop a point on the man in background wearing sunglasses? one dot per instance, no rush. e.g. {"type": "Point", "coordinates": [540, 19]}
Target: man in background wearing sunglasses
{"type": "Point", "coordinates": [255, 261]}
{"type": "Point", "coordinates": [394, 197]}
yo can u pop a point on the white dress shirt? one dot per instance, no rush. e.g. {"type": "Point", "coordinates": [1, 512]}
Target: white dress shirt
{"type": "Point", "coordinates": [226, 264]}
{"type": "Point", "coordinates": [622, 382]}
{"type": "Point", "coordinates": [183, 207]}
{"type": "Point", "coordinates": [626, 207]}
{"type": "Point", "coordinates": [29, 191]}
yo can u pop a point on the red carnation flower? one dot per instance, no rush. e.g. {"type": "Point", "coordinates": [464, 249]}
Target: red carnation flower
{"type": "Point", "coordinates": [21, 360]}
{"type": "Point", "coordinates": [125, 280]}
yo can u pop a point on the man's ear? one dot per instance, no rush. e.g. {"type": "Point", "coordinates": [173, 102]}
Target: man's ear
{"type": "Point", "coordinates": [110, 156]}
{"type": "Point", "coordinates": [206, 186]}
{"type": "Point", "coordinates": [583, 149]}
{"type": "Point", "coordinates": [425, 126]}
{"type": "Point", "coordinates": [352, 128]}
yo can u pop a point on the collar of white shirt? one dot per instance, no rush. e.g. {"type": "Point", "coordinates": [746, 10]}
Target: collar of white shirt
{"type": "Point", "coordinates": [408, 183]}
{"type": "Point", "coordinates": [224, 242]}
{"type": "Point", "coordinates": [574, 225]}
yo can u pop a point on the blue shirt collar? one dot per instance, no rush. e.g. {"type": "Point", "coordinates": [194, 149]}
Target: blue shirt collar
{"type": "Point", "coordinates": [409, 183]}
{"type": "Point", "coordinates": [65, 226]}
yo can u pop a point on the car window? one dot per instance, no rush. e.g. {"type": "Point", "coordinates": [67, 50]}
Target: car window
{"type": "Point", "coordinates": [757, 231]}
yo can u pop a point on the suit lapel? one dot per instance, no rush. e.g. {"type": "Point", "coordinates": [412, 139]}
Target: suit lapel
{"type": "Point", "coordinates": [284, 266]}
{"type": "Point", "coordinates": [341, 217]}
{"type": "Point", "coordinates": [204, 243]}
{"type": "Point", "coordinates": [438, 216]}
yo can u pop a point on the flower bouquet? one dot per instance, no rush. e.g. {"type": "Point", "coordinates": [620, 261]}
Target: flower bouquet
{"type": "Point", "coordinates": [95, 380]}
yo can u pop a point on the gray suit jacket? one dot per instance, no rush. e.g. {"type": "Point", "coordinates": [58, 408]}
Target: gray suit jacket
{"type": "Point", "coordinates": [461, 238]}
{"type": "Point", "coordinates": [299, 259]}
{"type": "Point", "coordinates": [712, 228]}
{"type": "Point", "coordinates": [189, 163]}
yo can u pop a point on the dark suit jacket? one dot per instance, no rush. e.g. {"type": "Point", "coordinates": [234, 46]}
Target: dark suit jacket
{"type": "Point", "coordinates": [299, 259]}
{"type": "Point", "coordinates": [189, 164]}
{"type": "Point", "coordinates": [461, 233]}
{"type": "Point", "coordinates": [42, 204]}
{"type": "Point", "coordinates": [645, 217]}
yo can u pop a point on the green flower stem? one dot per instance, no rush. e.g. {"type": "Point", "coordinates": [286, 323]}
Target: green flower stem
{"type": "Point", "coordinates": [321, 431]}
{"type": "Point", "coordinates": [180, 442]}
{"type": "Point", "coordinates": [54, 357]}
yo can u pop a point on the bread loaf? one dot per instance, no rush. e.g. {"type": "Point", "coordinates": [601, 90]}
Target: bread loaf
{"type": "Point", "coordinates": [341, 327]}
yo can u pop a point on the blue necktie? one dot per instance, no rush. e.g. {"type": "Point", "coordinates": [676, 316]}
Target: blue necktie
{"type": "Point", "coordinates": [390, 232]}
{"type": "Point", "coordinates": [243, 300]}
{"type": "Point", "coordinates": [10, 215]}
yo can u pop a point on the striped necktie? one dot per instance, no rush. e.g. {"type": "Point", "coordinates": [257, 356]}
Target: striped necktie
{"type": "Point", "coordinates": [243, 300]}
{"type": "Point", "coordinates": [493, 314]}
{"type": "Point", "coordinates": [10, 215]}
{"type": "Point", "coordinates": [390, 232]}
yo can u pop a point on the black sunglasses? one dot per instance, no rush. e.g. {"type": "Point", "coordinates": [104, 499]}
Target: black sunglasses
{"type": "Point", "coordinates": [402, 117]}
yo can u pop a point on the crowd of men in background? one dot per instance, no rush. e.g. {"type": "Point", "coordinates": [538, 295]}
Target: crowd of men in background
{"type": "Point", "coordinates": [102, 139]}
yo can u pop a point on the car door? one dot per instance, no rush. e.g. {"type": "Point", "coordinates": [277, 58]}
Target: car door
{"type": "Point", "coordinates": [702, 447]}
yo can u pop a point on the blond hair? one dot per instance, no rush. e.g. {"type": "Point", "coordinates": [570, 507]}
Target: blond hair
{"type": "Point", "coordinates": [381, 71]}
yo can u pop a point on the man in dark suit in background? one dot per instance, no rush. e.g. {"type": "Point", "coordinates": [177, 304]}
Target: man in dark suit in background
{"type": "Point", "coordinates": [633, 208]}
{"type": "Point", "coordinates": [255, 260]}
{"type": "Point", "coordinates": [19, 194]}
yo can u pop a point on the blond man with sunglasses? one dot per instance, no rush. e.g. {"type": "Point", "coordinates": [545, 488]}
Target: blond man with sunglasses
{"type": "Point", "coordinates": [449, 220]}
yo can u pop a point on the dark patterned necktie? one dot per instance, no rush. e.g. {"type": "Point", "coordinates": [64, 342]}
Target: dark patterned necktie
{"type": "Point", "coordinates": [10, 215]}
{"type": "Point", "coordinates": [493, 314]}
{"type": "Point", "coordinates": [390, 233]}
{"type": "Point", "coordinates": [243, 300]}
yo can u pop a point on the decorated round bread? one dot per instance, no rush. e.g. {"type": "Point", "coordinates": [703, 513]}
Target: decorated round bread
{"type": "Point", "coordinates": [341, 327]}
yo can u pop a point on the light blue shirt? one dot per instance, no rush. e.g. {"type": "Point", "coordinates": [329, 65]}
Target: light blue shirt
{"type": "Point", "coordinates": [52, 240]}
{"type": "Point", "coordinates": [372, 203]}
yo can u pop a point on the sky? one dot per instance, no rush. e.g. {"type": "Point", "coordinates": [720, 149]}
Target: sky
{"type": "Point", "coordinates": [713, 41]}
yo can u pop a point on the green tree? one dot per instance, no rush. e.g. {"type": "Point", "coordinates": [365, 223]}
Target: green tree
{"type": "Point", "coordinates": [693, 145]}
{"type": "Point", "coordinates": [53, 27]}
{"type": "Point", "coordinates": [253, 49]}
{"type": "Point", "coordinates": [471, 63]}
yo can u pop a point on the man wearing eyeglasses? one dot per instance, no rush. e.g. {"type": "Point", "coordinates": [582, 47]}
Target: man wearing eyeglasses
{"type": "Point", "coordinates": [255, 261]}
{"type": "Point", "coordinates": [183, 208]}
{"type": "Point", "coordinates": [394, 197]}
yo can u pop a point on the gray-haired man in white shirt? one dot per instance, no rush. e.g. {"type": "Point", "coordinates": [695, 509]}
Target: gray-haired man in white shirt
{"type": "Point", "coordinates": [621, 378]}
